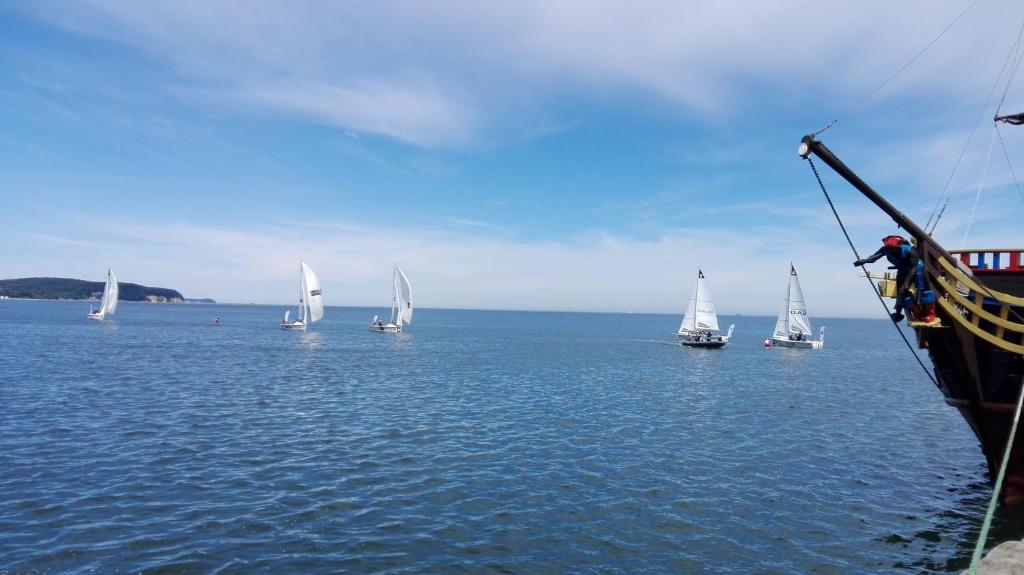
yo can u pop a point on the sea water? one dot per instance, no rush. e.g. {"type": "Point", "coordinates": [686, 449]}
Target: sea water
{"type": "Point", "coordinates": [474, 442]}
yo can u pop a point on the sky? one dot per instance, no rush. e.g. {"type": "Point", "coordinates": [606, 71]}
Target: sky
{"type": "Point", "coordinates": [572, 155]}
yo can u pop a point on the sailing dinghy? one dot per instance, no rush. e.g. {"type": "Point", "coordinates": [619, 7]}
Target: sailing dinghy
{"type": "Point", "coordinates": [793, 328]}
{"type": "Point", "coordinates": [401, 305]}
{"type": "Point", "coordinates": [700, 323]}
{"type": "Point", "coordinates": [109, 302]}
{"type": "Point", "coordinates": [311, 301]}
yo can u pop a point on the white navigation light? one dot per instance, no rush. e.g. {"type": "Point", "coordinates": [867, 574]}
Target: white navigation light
{"type": "Point", "coordinates": [804, 149]}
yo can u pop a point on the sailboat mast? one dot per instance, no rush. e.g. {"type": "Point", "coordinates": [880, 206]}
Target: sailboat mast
{"type": "Point", "coordinates": [789, 298]}
{"type": "Point", "coordinates": [302, 291]}
{"type": "Point", "coordinates": [394, 295]}
{"type": "Point", "coordinates": [696, 302]}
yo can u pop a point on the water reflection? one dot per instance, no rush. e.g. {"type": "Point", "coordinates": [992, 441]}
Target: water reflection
{"type": "Point", "coordinates": [311, 340]}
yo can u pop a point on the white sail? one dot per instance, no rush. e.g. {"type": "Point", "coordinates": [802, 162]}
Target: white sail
{"type": "Point", "coordinates": [689, 318]}
{"type": "Point", "coordinates": [110, 294]}
{"type": "Point", "coordinates": [287, 312]}
{"type": "Point", "coordinates": [314, 300]}
{"type": "Point", "coordinates": [782, 324]}
{"type": "Point", "coordinates": [799, 321]}
{"type": "Point", "coordinates": [302, 293]}
{"type": "Point", "coordinates": [395, 306]}
{"type": "Point", "coordinates": [700, 312]}
{"type": "Point", "coordinates": [404, 297]}
{"type": "Point", "coordinates": [793, 318]}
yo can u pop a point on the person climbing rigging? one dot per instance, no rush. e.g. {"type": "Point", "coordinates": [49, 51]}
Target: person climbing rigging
{"type": "Point", "coordinates": [909, 269]}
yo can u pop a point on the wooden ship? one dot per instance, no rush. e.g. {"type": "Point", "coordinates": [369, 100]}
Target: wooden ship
{"type": "Point", "coordinates": [978, 350]}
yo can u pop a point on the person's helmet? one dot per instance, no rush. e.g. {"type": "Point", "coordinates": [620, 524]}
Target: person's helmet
{"type": "Point", "coordinates": [893, 241]}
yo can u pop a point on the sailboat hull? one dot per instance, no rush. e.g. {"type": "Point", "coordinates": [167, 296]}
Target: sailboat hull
{"type": "Point", "coordinates": [96, 316]}
{"type": "Point", "coordinates": [713, 342]}
{"type": "Point", "coordinates": [389, 328]}
{"type": "Point", "coordinates": [805, 344]}
{"type": "Point", "coordinates": [293, 325]}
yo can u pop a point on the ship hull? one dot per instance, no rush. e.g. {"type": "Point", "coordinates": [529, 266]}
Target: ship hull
{"type": "Point", "coordinates": [978, 351]}
{"type": "Point", "coordinates": [983, 382]}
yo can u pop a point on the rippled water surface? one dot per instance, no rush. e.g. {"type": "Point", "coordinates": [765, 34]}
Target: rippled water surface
{"type": "Point", "coordinates": [476, 442]}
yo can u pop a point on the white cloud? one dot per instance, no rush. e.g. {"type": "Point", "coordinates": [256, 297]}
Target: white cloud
{"type": "Point", "coordinates": [592, 272]}
{"type": "Point", "coordinates": [415, 114]}
{"type": "Point", "coordinates": [441, 73]}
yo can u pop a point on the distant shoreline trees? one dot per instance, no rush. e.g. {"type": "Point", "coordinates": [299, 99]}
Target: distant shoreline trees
{"type": "Point", "coordinates": [74, 289]}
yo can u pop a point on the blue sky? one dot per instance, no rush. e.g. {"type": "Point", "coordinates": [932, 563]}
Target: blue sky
{"type": "Point", "coordinates": [571, 155]}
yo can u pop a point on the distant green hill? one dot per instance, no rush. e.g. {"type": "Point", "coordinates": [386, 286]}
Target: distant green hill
{"type": "Point", "coordinates": [67, 288]}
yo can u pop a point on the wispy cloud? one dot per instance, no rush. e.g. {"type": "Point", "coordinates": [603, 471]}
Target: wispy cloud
{"type": "Point", "coordinates": [442, 74]}
{"type": "Point", "coordinates": [405, 111]}
{"type": "Point", "coordinates": [474, 224]}
{"type": "Point", "coordinates": [597, 271]}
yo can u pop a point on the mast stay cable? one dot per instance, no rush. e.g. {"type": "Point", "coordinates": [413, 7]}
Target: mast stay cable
{"type": "Point", "coordinates": [1016, 54]}
{"type": "Point", "coordinates": [902, 68]}
{"type": "Point", "coordinates": [981, 114]}
{"type": "Point", "coordinates": [1009, 164]}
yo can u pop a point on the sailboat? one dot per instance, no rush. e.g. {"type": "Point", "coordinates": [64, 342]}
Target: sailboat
{"type": "Point", "coordinates": [700, 323]}
{"type": "Point", "coordinates": [401, 305]}
{"type": "Point", "coordinates": [793, 327]}
{"type": "Point", "coordinates": [109, 302]}
{"type": "Point", "coordinates": [311, 301]}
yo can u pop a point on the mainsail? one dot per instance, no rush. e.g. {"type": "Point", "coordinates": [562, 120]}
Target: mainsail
{"type": "Point", "coordinates": [313, 300]}
{"type": "Point", "coordinates": [700, 313]}
{"type": "Point", "coordinates": [793, 318]}
{"type": "Point", "coordinates": [403, 293]}
{"type": "Point", "coordinates": [109, 303]}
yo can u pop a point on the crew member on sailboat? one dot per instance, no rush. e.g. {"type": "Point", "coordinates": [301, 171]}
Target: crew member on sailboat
{"type": "Point", "coordinates": [904, 258]}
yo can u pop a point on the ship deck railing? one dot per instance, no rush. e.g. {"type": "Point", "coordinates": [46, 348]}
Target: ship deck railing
{"type": "Point", "coordinates": [991, 260]}
{"type": "Point", "coordinates": [993, 317]}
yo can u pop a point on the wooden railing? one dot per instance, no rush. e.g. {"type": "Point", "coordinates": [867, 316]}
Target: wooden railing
{"type": "Point", "coordinates": [1002, 329]}
{"type": "Point", "coordinates": [992, 260]}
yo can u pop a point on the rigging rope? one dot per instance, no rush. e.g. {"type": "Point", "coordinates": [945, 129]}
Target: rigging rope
{"type": "Point", "coordinates": [885, 306]}
{"type": "Point", "coordinates": [898, 72]}
{"type": "Point", "coordinates": [1009, 164]}
{"type": "Point", "coordinates": [1018, 48]}
{"type": "Point", "coordinates": [981, 185]}
{"type": "Point", "coordinates": [993, 502]}
{"type": "Point", "coordinates": [979, 547]}
{"type": "Point", "coordinates": [981, 114]}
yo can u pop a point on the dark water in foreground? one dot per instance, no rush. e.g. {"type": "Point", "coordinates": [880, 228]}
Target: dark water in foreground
{"type": "Point", "coordinates": [477, 442]}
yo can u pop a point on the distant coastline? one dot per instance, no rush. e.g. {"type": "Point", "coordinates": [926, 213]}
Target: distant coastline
{"type": "Point", "coordinates": [69, 289]}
